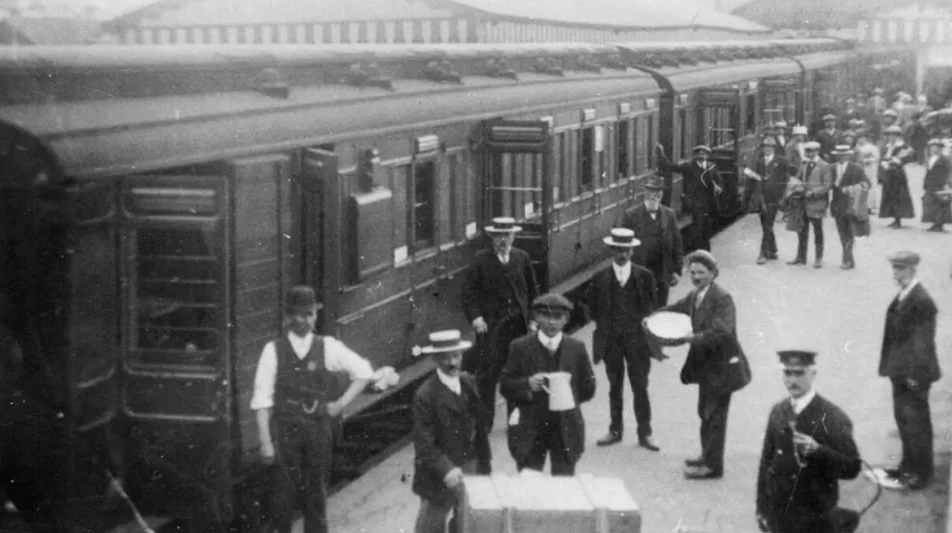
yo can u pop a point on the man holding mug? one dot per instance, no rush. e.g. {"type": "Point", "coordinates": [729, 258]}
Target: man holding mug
{"type": "Point", "coordinates": [534, 428]}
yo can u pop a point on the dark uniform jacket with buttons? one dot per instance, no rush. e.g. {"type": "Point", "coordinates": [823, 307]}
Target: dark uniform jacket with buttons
{"type": "Point", "coordinates": [527, 357]}
{"type": "Point", "coordinates": [490, 288]}
{"type": "Point", "coordinates": [785, 490]}
{"type": "Point", "coordinates": [447, 433]}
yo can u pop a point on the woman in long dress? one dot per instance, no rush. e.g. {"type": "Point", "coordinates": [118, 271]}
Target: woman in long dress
{"type": "Point", "coordinates": [867, 156]}
{"type": "Point", "coordinates": [936, 207]}
{"type": "Point", "coordinates": [896, 202]}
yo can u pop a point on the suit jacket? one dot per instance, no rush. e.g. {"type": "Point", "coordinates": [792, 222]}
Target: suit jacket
{"type": "Point", "coordinates": [441, 420]}
{"type": "Point", "coordinates": [771, 188]}
{"type": "Point", "coordinates": [939, 176]}
{"type": "Point", "coordinates": [716, 345]}
{"type": "Point", "coordinates": [527, 356]}
{"type": "Point", "coordinates": [640, 287]}
{"type": "Point", "coordinates": [488, 284]}
{"type": "Point", "coordinates": [818, 182]}
{"type": "Point", "coordinates": [784, 489]}
{"type": "Point", "coordinates": [672, 248]}
{"type": "Point", "coordinates": [828, 141]}
{"type": "Point", "coordinates": [699, 198]}
{"type": "Point", "coordinates": [840, 204]}
{"type": "Point", "coordinates": [908, 350]}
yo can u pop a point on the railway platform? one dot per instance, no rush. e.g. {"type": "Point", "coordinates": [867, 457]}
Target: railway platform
{"type": "Point", "coordinates": [838, 313]}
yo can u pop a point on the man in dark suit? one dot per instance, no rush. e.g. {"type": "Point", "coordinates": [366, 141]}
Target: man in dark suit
{"type": "Point", "coordinates": [449, 436]}
{"type": "Point", "coordinates": [534, 429]}
{"type": "Point", "coordinates": [765, 187]}
{"type": "Point", "coordinates": [619, 298]}
{"type": "Point", "coordinates": [496, 292]}
{"type": "Point", "coordinates": [808, 448]}
{"type": "Point", "coordinates": [829, 137]}
{"type": "Point", "coordinates": [656, 227]}
{"type": "Point", "coordinates": [702, 186]}
{"type": "Point", "coordinates": [845, 177]}
{"type": "Point", "coordinates": [909, 360]}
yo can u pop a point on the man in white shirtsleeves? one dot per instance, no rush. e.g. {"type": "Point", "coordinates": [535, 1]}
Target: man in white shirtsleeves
{"type": "Point", "coordinates": [293, 388]}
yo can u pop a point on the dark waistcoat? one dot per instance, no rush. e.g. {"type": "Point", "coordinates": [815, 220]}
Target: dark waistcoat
{"type": "Point", "coordinates": [302, 386]}
{"type": "Point", "coordinates": [624, 304]}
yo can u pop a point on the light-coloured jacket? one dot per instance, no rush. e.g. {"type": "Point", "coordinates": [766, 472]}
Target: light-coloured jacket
{"type": "Point", "coordinates": [817, 182]}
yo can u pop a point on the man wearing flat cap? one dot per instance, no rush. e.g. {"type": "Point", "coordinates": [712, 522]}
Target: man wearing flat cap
{"type": "Point", "coordinates": [702, 187]}
{"type": "Point", "coordinates": [619, 298]}
{"type": "Point", "coordinates": [656, 228]}
{"type": "Point", "coordinates": [534, 430]}
{"type": "Point", "coordinates": [449, 435]}
{"type": "Point", "coordinates": [908, 359]}
{"type": "Point", "coordinates": [848, 180]}
{"type": "Point", "coordinates": [765, 187]}
{"type": "Point", "coordinates": [897, 201]}
{"type": "Point", "coordinates": [808, 448]}
{"type": "Point", "coordinates": [295, 388]}
{"type": "Point", "coordinates": [814, 180]}
{"type": "Point", "coordinates": [496, 293]}
{"type": "Point", "coordinates": [829, 137]}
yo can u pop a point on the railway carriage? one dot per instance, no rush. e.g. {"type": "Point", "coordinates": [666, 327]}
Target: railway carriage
{"type": "Point", "coordinates": [161, 199]}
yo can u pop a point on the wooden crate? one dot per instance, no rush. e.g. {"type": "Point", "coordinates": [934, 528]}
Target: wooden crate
{"type": "Point", "coordinates": [509, 504]}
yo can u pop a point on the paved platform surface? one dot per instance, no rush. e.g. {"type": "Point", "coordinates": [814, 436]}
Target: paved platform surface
{"type": "Point", "coordinates": [839, 313]}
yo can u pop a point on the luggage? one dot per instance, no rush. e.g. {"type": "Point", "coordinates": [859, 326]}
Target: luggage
{"type": "Point", "coordinates": [582, 504]}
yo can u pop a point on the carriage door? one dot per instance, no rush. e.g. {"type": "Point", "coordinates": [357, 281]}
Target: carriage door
{"type": "Point", "coordinates": [177, 385]}
{"type": "Point", "coordinates": [776, 103]}
{"type": "Point", "coordinates": [720, 120]}
{"type": "Point", "coordinates": [517, 185]}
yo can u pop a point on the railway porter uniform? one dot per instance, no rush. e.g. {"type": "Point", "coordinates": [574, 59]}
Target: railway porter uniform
{"type": "Point", "coordinates": [449, 439]}
{"type": "Point", "coordinates": [620, 297]}
{"type": "Point", "coordinates": [497, 291]}
{"type": "Point", "coordinates": [534, 430]}
{"type": "Point", "coordinates": [807, 449]}
{"type": "Point", "coordinates": [702, 186]}
{"type": "Point", "coordinates": [295, 388]}
{"type": "Point", "coordinates": [656, 227]}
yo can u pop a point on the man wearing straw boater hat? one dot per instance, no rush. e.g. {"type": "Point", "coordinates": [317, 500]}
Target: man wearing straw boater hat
{"type": "Point", "coordinates": [619, 298]}
{"type": "Point", "coordinates": [808, 448]}
{"type": "Point", "coordinates": [846, 178]}
{"type": "Point", "coordinates": [449, 434]}
{"type": "Point", "coordinates": [295, 388]}
{"type": "Point", "coordinates": [829, 137]}
{"type": "Point", "coordinates": [535, 363]}
{"type": "Point", "coordinates": [496, 293]}
{"type": "Point", "coordinates": [702, 186]}
{"type": "Point", "coordinates": [656, 227]}
{"type": "Point", "coordinates": [765, 187]}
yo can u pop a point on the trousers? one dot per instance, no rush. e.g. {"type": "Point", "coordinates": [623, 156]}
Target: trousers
{"type": "Point", "coordinates": [768, 240]}
{"type": "Point", "coordinates": [712, 408]}
{"type": "Point", "coordinates": [844, 226]}
{"type": "Point", "coordinates": [621, 354]}
{"type": "Point", "coordinates": [549, 441]}
{"type": "Point", "coordinates": [303, 459]}
{"type": "Point", "coordinates": [914, 421]}
{"type": "Point", "coordinates": [433, 514]}
{"type": "Point", "coordinates": [804, 236]}
{"type": "Point", "coordinates": [492, 359]}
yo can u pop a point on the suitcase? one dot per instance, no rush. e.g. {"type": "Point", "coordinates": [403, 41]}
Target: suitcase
{"type": "Point", "coordinates": [582, 504]}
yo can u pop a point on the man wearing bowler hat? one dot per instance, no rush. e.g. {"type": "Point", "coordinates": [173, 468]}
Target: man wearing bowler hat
{"type": "Point", "coordinates": [908, 359]}
{"type": "Point", "coordinates": [807, 449]}
{"type": "Point", "coordinates": [449, 437]}
{"type": "Point", "coordinates": [294, 388]}
{"type": "Point", "coordinates": [656, 227]}
{"type": "Point", "coordinates": [829, 137]}
{"type": "Point", "coordinates": [535, 430]}
{"type": "Point", "coordinates": [496, 293]}
{"type": "Point", "coordinates": [702, 186]}
{"type": "Point", "coordinates": [845, 177]}
{"type": "Point", "coordinates": [619, 298]}
{"type": "Point", "coordinates": [765, 187]}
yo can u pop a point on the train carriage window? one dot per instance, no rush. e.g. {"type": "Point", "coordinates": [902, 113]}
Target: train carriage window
{"type": "Point", "coordinates": [588, 159]}
{"type": "Point", "coordinates": [424, 189]}
{"type": "Point", "coordinates": [622, 148]}
{"type": "Point", "coordinates": [178, 290]}
{"type": "Point", "coordinates": [751, 118]}
{"type": "Point", "coordinates": [651, 140]}
{"type": "Point", "coordinates": [637, 149]}
{"type": "Point", "coordinates": [683, 132]}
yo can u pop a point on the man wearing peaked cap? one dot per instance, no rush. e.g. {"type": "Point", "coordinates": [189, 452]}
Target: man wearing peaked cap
{"type": "Point", "coordinates": [702, 187]}
{"type": "Point", "coordinates": [656, 228]}
{"type": "Point", "coordinates": [450, 439]}
{"type": "Point", "coordinates": [829, 137]}
{"type": "Point", "coordinates": [764, 189]}
{"type": "Point", "coordinates": [807, 449]}
{"type": "Point", "coordinates": [619, 298]}
{"type": "Point", "coordinates": [497, 291]}
{"type": "Point", "coordinates": [534, 430]}
{"type": "Point", "coordinates": [294, 387]}
{"type": "Point", "coordinates": [848, 180]}
{"type": "Point", "coordinates": [908, 358]}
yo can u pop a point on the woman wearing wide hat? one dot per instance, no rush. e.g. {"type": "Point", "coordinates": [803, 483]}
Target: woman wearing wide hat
{"type": "Point", "coordinates": [896, 202]}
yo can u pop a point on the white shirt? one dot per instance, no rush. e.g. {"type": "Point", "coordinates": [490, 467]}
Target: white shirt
{"type": "Point", "coordinates": [840, 170]}
{"type": "Point", "coordinates": [551, 343]}
{"type": "Point", "coordinates": [767, 161]}
{"type": "Point", "coordinates": [451, 382]}
{"type": "Point", "coordinates": [801, 403]}
{"type": "Point", "coordinates": [622, 273]}
{"type": "Point", "coordinates": [932, 160]}
{"type": "Point", "coordinates": [503, 258]}
{"type": "Point", "coordinates": [781, 140]}
{"type": "Point", "coordinates": [700, 296]}
{"type": "Point", "coordinates": [652, 210]}
{"type": "Point", "coordinates": [905, 292]}
{"type": "Point", "coordinates": [337, 357]}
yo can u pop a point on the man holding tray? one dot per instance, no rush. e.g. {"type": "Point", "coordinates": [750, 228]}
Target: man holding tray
{"type": "Point", "coordinates": [619, 298]}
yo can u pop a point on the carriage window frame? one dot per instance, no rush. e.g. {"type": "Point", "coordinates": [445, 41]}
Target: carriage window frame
{"type": "Point", "coordinates": [623, 148]}
{"type": "Point", "coordinates": [433, 163]}
{"type": "Point", "coordinates": [587, 153]}
{"type": "Point", "coordinates": [651, 140]}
